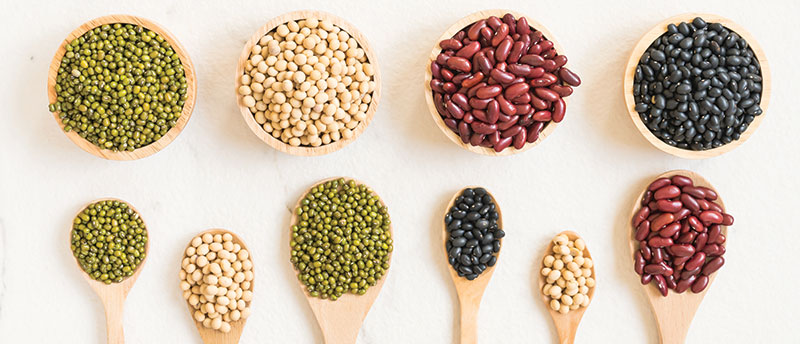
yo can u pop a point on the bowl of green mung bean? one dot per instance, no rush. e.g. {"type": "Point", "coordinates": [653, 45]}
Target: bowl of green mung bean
{"type": "Point", "coordinates": [121, 87]}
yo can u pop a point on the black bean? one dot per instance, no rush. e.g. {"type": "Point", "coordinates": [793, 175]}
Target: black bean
{"type": "Point", "coordinates": [459, 242]}
{"type": "Point", "coordinates": [472, 216]}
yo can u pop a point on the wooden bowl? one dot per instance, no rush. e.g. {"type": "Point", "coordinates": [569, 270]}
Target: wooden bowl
{"type": "Point", "coordinates": [642, 46]}
{"type": "Point", "coordinates": [188, 106]}
{"type": "Point", "coordinates": [455, 28]}
{"type": "Point", "coordinates": [210, 335]}
{"type": "Point", "coordinates": [249, 116]}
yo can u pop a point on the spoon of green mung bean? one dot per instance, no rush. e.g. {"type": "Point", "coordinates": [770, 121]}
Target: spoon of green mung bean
{"type": "Point", "coordinates": [355, 220]}
{"type": "Point", "coordinates": [109, 241]}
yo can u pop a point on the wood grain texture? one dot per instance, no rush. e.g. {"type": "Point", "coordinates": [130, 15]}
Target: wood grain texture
{"type": "Point", "coordinates": [673, 313]}
{"type": "Point", "coordinates": [188, 107]}
{"type": "Point", "coordinates": [212, 336]}
{"type": "Point", "coordinates": [647, 40]}
{"type": "Point", "coordinates": [566, 324]}
{"type": "Point", "coordinates": [249, 116]}
{"type": "Point", "coordinates": [113, 295]}
{"type": "Point", "coordinates": [455, 28]}
{"type": "Point", "coordinates": [341, 320]}
{"type": "Point", "coordinates": [469, 292]}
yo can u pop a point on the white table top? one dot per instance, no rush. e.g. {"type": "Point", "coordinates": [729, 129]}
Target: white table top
{"type": "Point", "coordinates": [218, 174]}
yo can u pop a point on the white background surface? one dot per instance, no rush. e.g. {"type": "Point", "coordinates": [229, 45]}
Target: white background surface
{"type": "Point", "coordinates": [218, 174]}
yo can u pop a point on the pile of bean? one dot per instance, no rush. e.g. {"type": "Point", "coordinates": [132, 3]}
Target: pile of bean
{"type": "Point", "coordinates": [679, 229]}
{"type": "Point", "coordinates": [498, 83]}
{"type": "Point", "coordinates": [308, 83]}
{"type": "Point", "coordinates": [216, 279]}
{"type": "Point", "coordinates": [109, 239]}
{"type": "Point", "coordinates": [120, 87]}
{"type": "Point", "coordinates": [474, 239]}
{"type": "Point", "coordinates": [342, 241]}
{"type": "Point", "coordinates": [698, 86]}
{"type": "Point", "coordinates": [568, 275]}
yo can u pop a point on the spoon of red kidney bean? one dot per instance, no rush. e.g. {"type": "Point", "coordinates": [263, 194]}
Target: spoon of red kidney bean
{"type": "Point", "coordinates": [498, 83]}
{"type": "Point", "coordinates": [679, 228]}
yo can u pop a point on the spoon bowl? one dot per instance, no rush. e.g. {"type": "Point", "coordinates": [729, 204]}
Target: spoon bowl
{"type": "Point", "coordinates": [209, 335]}
{"type": "Point", "coordinates": [566, 324]}
{"type": "Point", "coordinates": [341, 320]}
{"type": "Point", "coordinates": [674, 312]}
{"type": "Point", "coordinates": [113, 295]}
{"type": "Point", "coordinates": [469, 292]}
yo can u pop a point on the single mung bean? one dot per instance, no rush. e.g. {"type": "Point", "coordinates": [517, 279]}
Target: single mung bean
{"type": "Point", "coordinates": [120, 87]}
{"type": "Point", "coordinates": [109, 240]}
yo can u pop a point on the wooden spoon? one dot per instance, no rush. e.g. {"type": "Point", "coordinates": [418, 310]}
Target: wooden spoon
{"type": "Point", "coordinates": [212, 336]}
{"type": "Point", "coordinates": [566, 324]}
{"type": "Point", "coordinates": [341, 320]}
{"type": "Point", "coordinates": [674, 312]}
{"type": "Point", "coordinates": [113, 295]}
{"type": "Point", "coordinates": [469, 292]}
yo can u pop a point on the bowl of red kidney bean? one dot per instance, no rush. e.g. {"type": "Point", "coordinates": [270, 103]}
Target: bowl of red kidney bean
{"type": "Point", "coordinates": [679, 228]}
{"type": "Point", "coordinates": [497, 82]}
{"type": "Point", "coordinates": [697, 85]}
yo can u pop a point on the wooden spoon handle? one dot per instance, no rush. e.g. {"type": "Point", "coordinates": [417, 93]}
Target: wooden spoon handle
{"type": "Point", "coordinates": [469, 321]}
{"type": "Point", "coordinates": [566, 334]}
{"type": "Point", "coordinates": [340, 336]}
{"type": "Point", "coordinates": [113, 306]}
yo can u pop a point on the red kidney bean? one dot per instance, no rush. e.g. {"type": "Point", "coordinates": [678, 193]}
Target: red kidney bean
{"type": "Point", "coordinates": [720, 240]}
{"type": "Point", "coordinates": [489, 91]}
{"type": "Point", "coordinates": [532, 59]}
{"type": "Point", "coordinates": [545, 80]}
{"type": "Point", "coordinates": [536, 72]}
{"type": "Point", "coordinates": [474, 30]}
{"type": "Point", "coordinates": [516, 51]}
{"type": "Point", "coordinates": [461, 100]}
{"type": "Point", "coordinates": [681, 250]}
{"type": "Point", "coordinates": [535, 49]}
{"type": "Point", "coordinates": [494, 22]}
{"type": "Point", "coordinates": [436, 85]}
{"type": "Point", "coordinates": [524, 98]}
{"type": "Point", "coordinates": [559, 110]}
{"type": "Point", "coordinates": [534, 130]}
{"type": "Point", "coordinates": [473, 80]}
{"type": "Point", "coordinates": [658, 184]}
{"type": "Point", "coordinates": [483, 62]}
{"type": "Point", "coordinates": [668, 206]}
{"type": "Point", "coordinates": [513, 131]}
{"type": "Point", "coordinates": [687, 238]}
{"type": "Point", "coordinates": [492, 112]}
{"type": "Point", "coordinates": [682, 181]}
{"type": "Point", "coordinates": [449, 87]}
{"type": "Point", "coordinates": [646, 198]}
{"type": "Point", "coordinates": [681, 214]}
{"type": "Point", "coordinates": [546, 45]}
{"type": "Point", "coordinates": [522, 26]}
{"type": "Point", "coordinates": [661, 284]}
{"type": "Point", "coordinates": [684, 284]}
{"type": "Point", "coordinates": [711, 217]}
{"type": "Point", "coordinates": [704, 205]}
{"type": "Point", "coordinates": [519, 69]}
{"type": "Point", "coordinates": [479, 115]}
{"type": "Point", "coordinates": [694, 192]}
{"type": "Point", "coordinates": [543, 116]}
{"type": "Point", "coordinates": [549, 65]}
{"type": "Point", "coordinates": [483, 128]}
{"type": "Point", "coordinates": [458, 79]}
{"type": "Point", "coordinates": [640, 216]}
{"type": "Point", "coordinates": [670, 230]}
{"type": "Point", "coordinates": [700, 284]}
{"type": "Point", "coordinates": [527, 119]}
{"type": "Point", "coordinates": [653, 206]}
{"type": "Point", "coordinates": [459, 63]}
{"type": "Point", "coordinates": [685, 228]}
{"type": "Point", "coordinates": [711, 195]}
{"type": "Point", "coordinates": [468, 117]}
{"type": "Point", "coordinates": [715, 207]}
{"type": "Point", "coordinates": [671, 283]}
{"type": "Point", "coordinates": [690, 202]}
{"type": "Point", "coordinates": [505, 106]}
{"type": "Point", "coordinates": [642, 230]}
{"type": "Point", "coordinates": [502, 144]}
{"type": "Point", "coordinates": [713, 265]}
{"type": "Point", "coordinates": [701, 241]}
{"type": "Point", "coordinates": [660, 221]}
{"type": "Point", "coordinates": [560, 60]}
{"type": "Point", "coordinates": [500, 34]}
{"type": "Point", "coordinates": [667, 192]}
{"type": "Point", "coordinates": [520, 139]}
{"type": "Point", "coordinates": [563, 91]}
{"type": "Point", "coordinates": [525, 110]}
{"type": "Point", "coordinates": [569, 77]}
{"type": "Point", "coordinates": [452, 44]}
{"type": "Point", "coordinates": [454, 110]}
{"type": "Point", "coordinates": [464, 132]}
{"type": "Point", "coordinates": [686, 274]}
{"type": "Point", "coordinates": [546, 94]}
{"type": "Point", "coordinates": [476, 139]}
{"type": "Point", "coordinates": [452, 124]}
{"type": "Point", "coordinates": [436, 70]}
{"type": "Point", "coordinates": [713, 250]}
{"type": "Point", "coordinates": [727, 219]}
{"type": "Point", "coordinates": [659, 242]}
{"type": "Point", "coordinates": [516, 90]}
{"type": "Point", "coordinates": [549, 54]}
{"type": "Point", "coordinates": [681, 261]}
{"type": "Point", "coordinates": [447, 75]}
{"type": "Point", "coordinates": [647, 252]}
{"type": "Point", "coordinates": [501, 76]}
{"type": "Point", "coordinates": [503, 49]}
{"type": "Point", "coordinates": [657, 269]}
{"type": "Point", "coordinates": [696, 224]}
{"type": "Point", "coordinates": [658, 255]}
{"type": "Point", "coordinates": [539, 103]}
{"type": "Point", "coordinates": [469, 50]}
{"type": "Point", "coordinates": [646, 278]}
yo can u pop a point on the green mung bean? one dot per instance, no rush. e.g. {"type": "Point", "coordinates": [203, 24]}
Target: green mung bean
{"type": "Point", "coordinates": [342, 241]}
{"type": "Point", "coordinates": [120, 86]}
{"type": "Point", "coordinates": [109, 240]}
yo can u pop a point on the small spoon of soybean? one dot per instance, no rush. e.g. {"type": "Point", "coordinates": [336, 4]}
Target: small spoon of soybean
{"type": "Point", "coordinates": [112, 295]}
{"type": "Point", "coordinates": [340, 320]}
{"type": "Point", "coordinates": [469, 292]}
{"type": "Point", "coordinates": [673, 313]}
{"type": "Point", "coordinates": [566, 324]}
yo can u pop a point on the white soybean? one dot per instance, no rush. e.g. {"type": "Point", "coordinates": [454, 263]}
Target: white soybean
{"type": "Point", "coordinates": [568, 275]}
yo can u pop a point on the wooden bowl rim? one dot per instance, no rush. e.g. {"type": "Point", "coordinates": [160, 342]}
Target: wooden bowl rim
{"type": "Point", "coordinates": [238, 324]}
{"type": "Point", "coordinates": [483, 279]}
{"type": "Point", "coordinates": [188, 106]}
{"type": "Point", "coordinates": [542, 280]}
{"type": "Point", "coordinates": [645, 42]}
{"type": "Point", "coordinates": [452, 30]}
{"type": "Point", "coordinates": [248, 116]}
{"type": "Point", "coordinates": [348, 296]}
{"type": "Point", "coordinates": [651, 290]}
{"type": "Point", "coordinates": [127, 281]}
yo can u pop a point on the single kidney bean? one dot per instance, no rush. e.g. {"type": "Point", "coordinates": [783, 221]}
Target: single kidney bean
{"type": "Point", "coordinates": [658, 184]}
{"type": "Point", "coordinates": [684, 284]}
{"type": "Point", "coordinates": [713, 265]}
{"type": "Point", "coordinates": [559, 110]}
{"type": "Point", "coordinates": [516, 52]}
{"type": "Point", "coordinates": [670, 230]}
{"type": "Point", "coordinates": [505, 106]}
{"type": "Point", "coordinates": [543, 116]}
{"type": "Point", "coordinates": [464, 132]}
{"type": "Point", "coordinates": [536, 72]}
{"type": "Point", "coordinates": [534, 130]}
{"type": "Point", "coordinates": [642, 230]}
{"type": "Point", "coordinates": [492, 112]}
{"type": "Point", "coordinates": [646, 198]}
{"type": "Point", "coordinates": [479, 115]}
{"type": "Point", "coordinates": [695, 223]}
{"type": "Point", "coordinates": [501, 76]}
{"type": "Point", "coordinates": [468, 117]}
{"type": "Point", "coordinates": [569, 77]}
{"type": "Point", "coordinates": [700, 284]}
{"type": "Point", "coordinates": [508, 123]}
{"type": "Point", "coordinates": [459, 63]}
{"type": "Point", "coordinates": [658, 255]}
{"type": "Point", "coordinates": [532, 59]}
{"type": "Point", "coordinates": [524, 98]}
{"type": "Point", "coordinates": [436, 86]}
{"type": "Point", "coordinates": [477, 103]}
{"type": "Point", "coordinates": [671, 283]}
{"type": "Point", "coordinates": [715, 207]}
{"type": "Point", "coordinates": [560, 60]}
{"type": "Point", "coordinates": [563, 91]}
{"type": "Point", "coordinates": [436, 70]}
{"type": "Point", "coordinates": [682, 181]}
{"type": "Point", "coordinates": [681, 250]}
{"type": "Point", "coordinates": [687, 238]}
{"type": "Point", "coordinates": [483, 62]}
{"type": "Point", "coordinates": [661, 284]}
{"type": "Point", "coordinates": [686, 274]}
{"type": "Point", "coordinates": [667, 192]}
{"type": "Point", "coordinates": [694, 192]}
{"type": "Point", "coordinates": [711, 217]}
{"type": "Point", "coordinates": [681, 261]}
{"type": "Point", "coordinates": [546, 94]}
{"type": "Point", "coordinates": [647, 252]}
{"type": "Point", "coordinates": [513, 131]}
{"type": "Point", "coordinates": [657, 269]}
{"type": "Point", "coordinates": [668, 206]}
{"type": "Point", "coordinates": [469, 50]}
{"type": "Point", "coordinates": [473, 33]}
{"type": "Point", "coordinates": [522, 26]}
{"type": "Point", "coordinates": [640, 216]}
{"type": "Point", "coordinates": [549, 65]}
{"type": "Point", "coordinates": [454, 110]}
{"type": "Point", "coordinates": [701, 241]}
{"type": "Point", "coordinates": [536, 49]}
{"type": "Point", "coordinates": [503, 49]}
{"type": "Point", "coordinates": [689, 202]}
{"type": "Point", "coordinates": [516, 90]}
{"type": "Point", "coordinates": [476, 139]}
{"type": "Point", "coordinates": [449, 87]}
{"type": "Point", "coordinates": [659, 242]}
{"type": "Point", "coordinates": [539, 103]}
{"type": "Point", "coordinates": [519, 69]}
{"type": "Point", "coordinates": [461, 100]}
{"type": "Point", "coordinates": [452, 124]}
{"type": "Point", "coordinates": [520, 139]}
{"type": "Point", "coordinates": [545, 80]}
{"type": "Point", "coordinates": [527, 119]}
{"type": "Point", "coordinates": [682, 213]}
{"type": "Point", "coordinates": [727, 219]}
{"type": "Point", "coordinates": [502, 144]}
{"type": "Point", "coordinates": [489, 91]}
{"type": "Point", "coordinates": [483, 128]}
{"type": "Point", "coordinates": [500, 34]}
{"type": "Point", "coordinates": [704, 205]}
{"type": "Point", "coordinates": [525, 110]}
{"type": "Point", "coordinates": [713, 250]}
{"type": "Point", "coordinates": [486, 35]}
{"type": "Point", "coordinates": [661, 221]}
{"type": "Point", "coordinates": [452, 44]}
{"type": "Point", "coordinates": [646, 278]}
{"type": "Point", "coordinates": [711, 195]}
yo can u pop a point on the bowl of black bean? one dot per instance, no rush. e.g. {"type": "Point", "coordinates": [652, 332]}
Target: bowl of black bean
{"type": "Point", "coordinates": [697, 85]}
